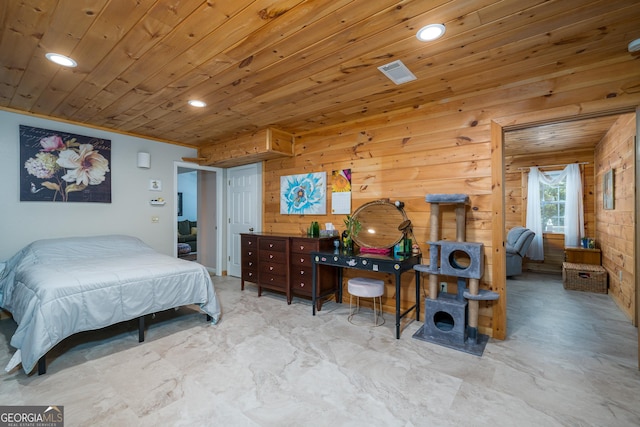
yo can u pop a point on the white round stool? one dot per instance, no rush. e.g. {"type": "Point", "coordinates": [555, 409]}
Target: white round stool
{"type": "Point", "coordinates": [366, 288]}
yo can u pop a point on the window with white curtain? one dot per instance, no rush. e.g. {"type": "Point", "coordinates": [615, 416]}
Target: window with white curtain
{"type": "Point", "coordinates": [567, 214]}
{"type": "Point", "coordinates": [552, 203]}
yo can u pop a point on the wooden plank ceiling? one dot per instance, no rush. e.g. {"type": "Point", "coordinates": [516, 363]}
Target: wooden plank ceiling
{"type": "Point", "coordinates": [291, 64]}
{"type": "Point", "coordinates": [544, 140]}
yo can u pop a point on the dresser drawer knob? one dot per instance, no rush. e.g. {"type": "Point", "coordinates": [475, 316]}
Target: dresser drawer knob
{"type": "Point", "coordinates": [270, 268]}
{"type": "Point", "coordinates": [250, 253]}
{"type": "Point", "coordinates": [301, 259]}
{"type": "Point", "coordinates": [301, 248]}
{"type": "Point", "coordinates": [302, 285]}
{"type": "Point", "coordinates": [270, 245]}
{"type": "Point", "coordinates": [270, 256]}
{"type": "Point", "coordinates": [301, 272]}
{"type": "Point", "coordinates": [250, 264]}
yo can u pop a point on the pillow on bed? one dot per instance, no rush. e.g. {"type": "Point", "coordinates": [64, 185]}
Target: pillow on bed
{"type": "Point", "coordinates": [52, 251]}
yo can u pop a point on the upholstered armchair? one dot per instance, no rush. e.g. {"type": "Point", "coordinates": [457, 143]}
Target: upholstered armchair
{"type": "Point", "coordinates": [518, 241]}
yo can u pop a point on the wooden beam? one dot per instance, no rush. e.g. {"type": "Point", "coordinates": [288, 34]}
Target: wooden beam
{"type": "Point", "coordinates": [498, 257]}
{"type": "Point", "coordinates": [257, 146]}
{"type": "Point", "coordinates": [198, 160]}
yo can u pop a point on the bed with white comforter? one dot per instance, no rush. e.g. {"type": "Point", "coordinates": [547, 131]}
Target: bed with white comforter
{"type": "Point", "coordinates": [55, 288]}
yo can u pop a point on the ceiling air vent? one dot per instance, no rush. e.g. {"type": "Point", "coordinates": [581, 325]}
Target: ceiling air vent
{"type": "Point", "coordinates": [397, 72]}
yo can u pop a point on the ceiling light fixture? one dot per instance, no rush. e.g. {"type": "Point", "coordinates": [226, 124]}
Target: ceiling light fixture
{"type": "Point", "coordinates": [430, 32]}
{"type": "Point", "coordinates": [634, 46]}
{"type": "Point", "coordinates": [197, 104]}
{"type": "Point", "coordinates": [65, 61]}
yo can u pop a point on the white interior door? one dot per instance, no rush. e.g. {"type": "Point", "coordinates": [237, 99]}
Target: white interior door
{"type": "Point", "coordinates": [244, 204]}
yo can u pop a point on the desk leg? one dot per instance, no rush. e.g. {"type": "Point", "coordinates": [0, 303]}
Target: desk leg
{"type": "Point", "coordinates": [314, 269]}
{"type": "Point", "coordinates": [339, 285]}
{"type": "Point", "coordinates": [398, 305]}
{"type": "Point", "coordinates": [418, 295]}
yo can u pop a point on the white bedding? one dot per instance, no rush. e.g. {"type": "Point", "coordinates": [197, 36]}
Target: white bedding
{"type": "Point", "coordinates": [57, 287]}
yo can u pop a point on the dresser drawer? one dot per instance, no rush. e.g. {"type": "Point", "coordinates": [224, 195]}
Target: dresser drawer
{"type": "Point", "coordinates": [250, 253]}
{"type": "Point", "coordinates": [248, 242]}
{"type": "Point", "coordinates": [267, 256]}
{"type": "Point", "coordinates": [301, 283]}
{"type": "Point", "coordinates": [250, 275]}
{"type": "Point", "coordinates": [273, 280]}
{"type": "Point", "coordinates": [303, 246]}
{"type": "Point", "coordinates": [272, 268]}
{"type": "Point", "coordinates": [279, 245]}
{"type": "Point", "coordinates": [303, 260]}
{"type": "Point", "coordinates": [250, 263]}
{"type": "Point", "coordinates": [300, 271]}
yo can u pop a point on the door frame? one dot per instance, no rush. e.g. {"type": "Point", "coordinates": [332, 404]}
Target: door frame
{"type": "Point", "coordinates": [498, 127]}
{"type": "Point", "coordinates": [220, 178]}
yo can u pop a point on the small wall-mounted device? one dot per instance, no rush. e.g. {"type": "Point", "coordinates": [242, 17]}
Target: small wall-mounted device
{"type": "Point", "coordinates": [144, 160]}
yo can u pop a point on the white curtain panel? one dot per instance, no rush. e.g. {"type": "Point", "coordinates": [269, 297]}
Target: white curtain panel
{"type": "Point", "coordinates": [534, 215]}
{"type": "Point", "coordinates": [573, 210]}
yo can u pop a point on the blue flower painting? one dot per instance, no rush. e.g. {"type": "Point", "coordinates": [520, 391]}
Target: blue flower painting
{"type": "Point", "coordinates": [303, 194]}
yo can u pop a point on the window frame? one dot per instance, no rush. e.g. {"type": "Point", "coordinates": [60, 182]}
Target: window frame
{"type": "Point", "coordinates": [558, 226]}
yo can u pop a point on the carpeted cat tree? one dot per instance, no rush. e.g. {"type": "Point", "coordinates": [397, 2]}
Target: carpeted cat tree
{"type": "Point", "coordinates": [451, 320]}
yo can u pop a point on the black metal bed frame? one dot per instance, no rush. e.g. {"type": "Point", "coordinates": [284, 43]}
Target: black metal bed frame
{"type": "Point", "coordinates": [42, 362]}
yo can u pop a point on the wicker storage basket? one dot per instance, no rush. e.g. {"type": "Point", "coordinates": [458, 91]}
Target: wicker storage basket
{"type": "Point", "coordinates": [584, 277]}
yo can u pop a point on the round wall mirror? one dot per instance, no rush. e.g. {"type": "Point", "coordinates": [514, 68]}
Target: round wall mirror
{"type": "Point", "coordinates": [380, 223]}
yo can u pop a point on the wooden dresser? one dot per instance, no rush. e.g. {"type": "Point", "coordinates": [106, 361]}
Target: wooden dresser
{"type": "Point", "coordinates": [283, 263]}
{"type": "Point", "coordinates": [301, 268]}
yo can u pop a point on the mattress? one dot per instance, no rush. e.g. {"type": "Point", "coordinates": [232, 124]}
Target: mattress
{"type": "Point", "coordinates": [55, 288]}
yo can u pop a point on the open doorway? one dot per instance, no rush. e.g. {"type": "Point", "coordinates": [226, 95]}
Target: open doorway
{"type": "Point", "coordinates": [499, 128]}
{"type": "Point", "coordinates": [551, 147]}
{"type": "Point", "coordinates": [187, 207]}
{"type": "Point", "coordinates": [199, 214]}
{"type": "Point", "coordinates": [500, 132]}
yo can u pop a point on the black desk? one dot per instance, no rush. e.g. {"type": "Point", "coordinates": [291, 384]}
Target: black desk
{"type": "Point", "coordinates": [369, 262]}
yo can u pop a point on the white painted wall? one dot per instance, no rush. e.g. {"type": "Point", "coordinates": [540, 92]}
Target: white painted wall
{"type": "Point", "coordinates": [128, 213]}
{"type": "Point", "coordinates": [188, 185]}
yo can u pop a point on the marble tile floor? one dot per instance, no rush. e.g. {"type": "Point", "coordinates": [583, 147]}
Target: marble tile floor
{"type": "Point", "coordinates": [570, 359]}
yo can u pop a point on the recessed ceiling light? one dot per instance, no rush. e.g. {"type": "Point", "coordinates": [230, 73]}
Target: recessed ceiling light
{"type": "Point", "coordinates": [196, 103]}
{"type": "Point", "coordinates": [634, 46]}
{"type": "Point", "coordinates": [61, 59]}
{"type": "Point", "coordinates": [430, 32]}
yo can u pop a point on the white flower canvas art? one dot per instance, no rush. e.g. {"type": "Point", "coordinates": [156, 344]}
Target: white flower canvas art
{"type": "Point", "coordinates": [63, 167]}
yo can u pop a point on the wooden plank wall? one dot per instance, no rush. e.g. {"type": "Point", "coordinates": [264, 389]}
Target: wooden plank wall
{"type": "Point", "coordinates": [516, 201]}
{"type": "Point", "coordinates": [400, 158]}
{"type": "Point", "coordinates": [615, 229]}
{"type": "Point", "coordinates": [439, 147]}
